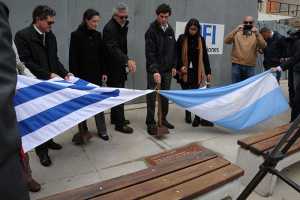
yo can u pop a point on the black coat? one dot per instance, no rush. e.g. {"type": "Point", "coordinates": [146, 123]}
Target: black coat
{"type": "Point", "coordinates": [115, 39]}
{"type": "Point", "coordinates": [293, 62]}
{"type": "Point", "coordinates": [160, 49]}
{"type": "Point", "coordinates": [41, 60]}
{"type": "Point", "coordinates": [193, 57]}
{"type": "Point", "coordinates": [276, 49]}
{"type": "Point", "coordinates": [9, 136]}
{"type": "Point", "coordinates": [87, 55]}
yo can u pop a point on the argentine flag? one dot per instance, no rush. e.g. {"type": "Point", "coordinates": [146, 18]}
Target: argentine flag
{"type": "Point", "coordinates": [46, 109]}
{"type": "Point", "coordinates": [237, 106]}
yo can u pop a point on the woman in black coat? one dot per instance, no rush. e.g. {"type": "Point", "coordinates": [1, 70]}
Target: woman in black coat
{"type": "Point", "coordinates": [87, 61]}
{"type": "Point", "coordinates": [193, 64]}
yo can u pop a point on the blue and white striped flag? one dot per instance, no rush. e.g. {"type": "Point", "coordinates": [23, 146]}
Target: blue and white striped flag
{"type": "Point", "coordinates": [237, 106]}
{"type": "Point", "coordinates": [46, 109]}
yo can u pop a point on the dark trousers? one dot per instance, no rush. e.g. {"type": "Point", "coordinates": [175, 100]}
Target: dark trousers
{"type": "Point", "coordinates": [43, 148]}
{"type": "Point", "coordinates": [12, 184]}
{"type": "Point", "coordinates": [291, 93]}
{"type": "Point", "coordinates": [296, 102]}
{"type": "Point", "coordinates": [241, 72]}
{"type": "Point", "coordinates": [100, 124]}
{"type": "Point", "coordinates": [117, 115]}
{"type": "Point", "coordinates": [189, 86]}
{"type": "Point", "coordinates": [151, 98]}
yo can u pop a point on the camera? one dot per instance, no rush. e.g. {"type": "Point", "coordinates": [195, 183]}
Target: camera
{"type": "Point", "coordinates": [247, 29]}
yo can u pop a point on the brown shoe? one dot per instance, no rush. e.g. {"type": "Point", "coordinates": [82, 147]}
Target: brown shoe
{"type": "Point", "coordinates": [33, 185]}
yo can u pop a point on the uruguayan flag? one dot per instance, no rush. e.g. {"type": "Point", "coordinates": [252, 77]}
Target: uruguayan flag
{"type": "Point", "coordinates": [46, 109]}
{"type": "Point", "coordinates": [237, 106]}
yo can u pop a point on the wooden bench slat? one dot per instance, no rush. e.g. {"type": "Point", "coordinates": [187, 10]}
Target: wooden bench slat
{"type": "Point", "coordinates": [164, 182]}
{"type": "Point", "coordinates": [124, 181]}
{"type": "Point", "coordinates": [201, 185]}
{"type": "Point", "coordinates": [246, 142]}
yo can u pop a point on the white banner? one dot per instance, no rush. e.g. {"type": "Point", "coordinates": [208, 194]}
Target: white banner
{"type": "Point", "coordinates": [212, 33]}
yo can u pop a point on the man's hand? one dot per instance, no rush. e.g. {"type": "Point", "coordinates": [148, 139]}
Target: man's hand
{"type": "Point", "coordinates": [174, 71]}
{"type": "Point", "coordinates": [254, 30]}
{"type": "Point", "coordinates": [131, 66]}
{"type": "Point", "coordinates": [104, 78]}
{"type": "Point", "coordinates": [276, 69]}
{"type": "Point", "coordinates": [239, 28]}
{"type": "Point", "coordinates": [157, 78]}
{"type": "Point", "coordinates": [68, 76]}
{"type": "Point", "coordinates": [53, 75]}
{"type": "Point", "coordinates": [209, 78]}
{"type": "Point", "coordinates": [183, 69]}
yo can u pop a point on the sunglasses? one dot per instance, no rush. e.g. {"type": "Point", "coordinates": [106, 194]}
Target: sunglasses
{"type": "Point", "coordinates": [50, 22]}
{"type": "Point", "coordinates": [248, 22]}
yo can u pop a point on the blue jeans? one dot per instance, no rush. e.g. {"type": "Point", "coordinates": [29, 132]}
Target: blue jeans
{"type": "Point", "coordinates": [241, 72]}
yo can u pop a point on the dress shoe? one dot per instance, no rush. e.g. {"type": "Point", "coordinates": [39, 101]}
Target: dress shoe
{"type": "Point", "coordinates": [126, 122]}
{"type": "Point", "coordinates": [33, 185]}
{"type": "Point", "coordinates": [103, 136]}
{"type": "Point", "coordinates": [196, 122]}
{"type": "Point", "coordinates": [45, 160]}
{"type": "Point", "coordinates": [204, 122]}
{"type": "Point", "coordinates": [151, 129]}
{"type": "Point", "coordinates": [53, 145]}
{"type": "Point", "coordinates": [124, 129]}
{"type": "Point", "coordinates": [167, 124]}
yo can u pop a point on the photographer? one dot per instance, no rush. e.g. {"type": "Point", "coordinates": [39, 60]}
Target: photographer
{"type": "Point", "coordinates": [293, 64]}
{"type": "Point", "coordinates": [246, 40]}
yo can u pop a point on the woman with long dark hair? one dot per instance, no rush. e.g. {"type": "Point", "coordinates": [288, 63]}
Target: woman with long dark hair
{"type": "Point", "coordinates": [87, 61]}
{"type": "Point", "coordinates": [193, 64]}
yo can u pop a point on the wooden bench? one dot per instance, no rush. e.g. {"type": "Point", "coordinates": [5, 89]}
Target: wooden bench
{"type": "Point", "coordinates": [250, 156]}
{"type": "Point", "coordinates": [200, 174]}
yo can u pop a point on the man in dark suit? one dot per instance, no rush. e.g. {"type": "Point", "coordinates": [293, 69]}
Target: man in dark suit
{"type": "Point", "coordinates": [12, 185]}
{"type": "Point", "coordinates": [115, 39]}
{"type": "Point", "coordinates": [37, 48]}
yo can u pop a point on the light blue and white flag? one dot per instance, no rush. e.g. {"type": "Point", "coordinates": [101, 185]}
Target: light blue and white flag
{"type": "Point", "coordinates": [46, 109]}
{"type": "Point", "coordinates": [237, 106]}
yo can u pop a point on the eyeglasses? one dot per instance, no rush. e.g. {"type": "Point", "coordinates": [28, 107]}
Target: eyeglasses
{"type": "Point", "coordinates": [248, 22]}
{"type": "Point", "coordinates": [50, 22]}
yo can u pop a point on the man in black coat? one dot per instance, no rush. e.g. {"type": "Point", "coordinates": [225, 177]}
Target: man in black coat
{"type": "Point", "coordinates": [37, 48]}
{"type": "Point", "coordinates": [12, 184]}
{"type": "Point", "coordinates": [275, 50]}
{"type": "Point", "coordinates": [293, 63]}
{"type": "Point", "coordinates": [115, 39]}
{"type": "Point", "coordinates": [160, 63]}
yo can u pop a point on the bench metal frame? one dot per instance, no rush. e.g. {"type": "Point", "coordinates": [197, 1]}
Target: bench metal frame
{"type": "Point", "coordinates": [271, 160]}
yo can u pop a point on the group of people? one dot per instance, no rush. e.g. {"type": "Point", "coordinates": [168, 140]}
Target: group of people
{"type": "Point", "coordinates": [103, 59]}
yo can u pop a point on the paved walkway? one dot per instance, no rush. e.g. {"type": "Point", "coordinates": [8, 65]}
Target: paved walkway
{"type": "Point", "coordinates": [99, 160]}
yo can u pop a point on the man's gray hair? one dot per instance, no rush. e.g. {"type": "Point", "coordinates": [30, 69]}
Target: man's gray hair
{"type": "Point", "coordinates": [120, 7]}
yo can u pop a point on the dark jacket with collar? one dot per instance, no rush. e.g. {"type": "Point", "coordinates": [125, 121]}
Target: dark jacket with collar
{"type": "Point", "coordinates": [41, 60]}
{"type": "Point", "coordinates": [160, 49]}
{"type": "Point", "coordinates": [115, 39]}
{"type": "Point", "coordinates": [10, 140]}
{"type": "Point", "coordinates": [275, 50]}
{"type": "Point", "coordinates": [293, 63]}
{"type": "Point", "coordinates": [87, 55]}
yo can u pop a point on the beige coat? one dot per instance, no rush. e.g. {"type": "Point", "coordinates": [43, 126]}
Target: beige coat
{"type": "Point", "coordinates": [244, 50]}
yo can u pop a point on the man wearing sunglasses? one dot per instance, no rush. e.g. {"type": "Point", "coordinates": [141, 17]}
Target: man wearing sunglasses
{"type": "Point", "coordinates": [246, 39]}
{"type": "Point", "coordinates": [37, 48]}
{"type": "Point", "coordinates": [115, 39]}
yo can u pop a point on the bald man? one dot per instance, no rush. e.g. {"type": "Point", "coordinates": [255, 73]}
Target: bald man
{"type": "Point", "coordinates": [245, 39]}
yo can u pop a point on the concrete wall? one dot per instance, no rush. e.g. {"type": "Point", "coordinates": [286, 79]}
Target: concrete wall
{"type": "Point", "coordinates": [142, 12]}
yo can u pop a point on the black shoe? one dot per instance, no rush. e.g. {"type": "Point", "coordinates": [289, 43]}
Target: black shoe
{"type": "Point", "coordinates": [126, 122]}
{"type": "Point", "coordinates": [77, 139]}
{"type": "Point", "coordinates": [151, 129]}
{"type": "Point", "coordinates": [103, 136]}
{"type": "Point", "coordinates": [124, 129]}
{"type": "Point", "coordinates": [167, 124]}
{"type": "Point", "coordinates": [54, 146]}
{"type": "Point", "coordinates": [45, 160]}
{"type": "Point", "coordinates": [204, 122]}
{"type": "Point", "coordinates": [196, 122]}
